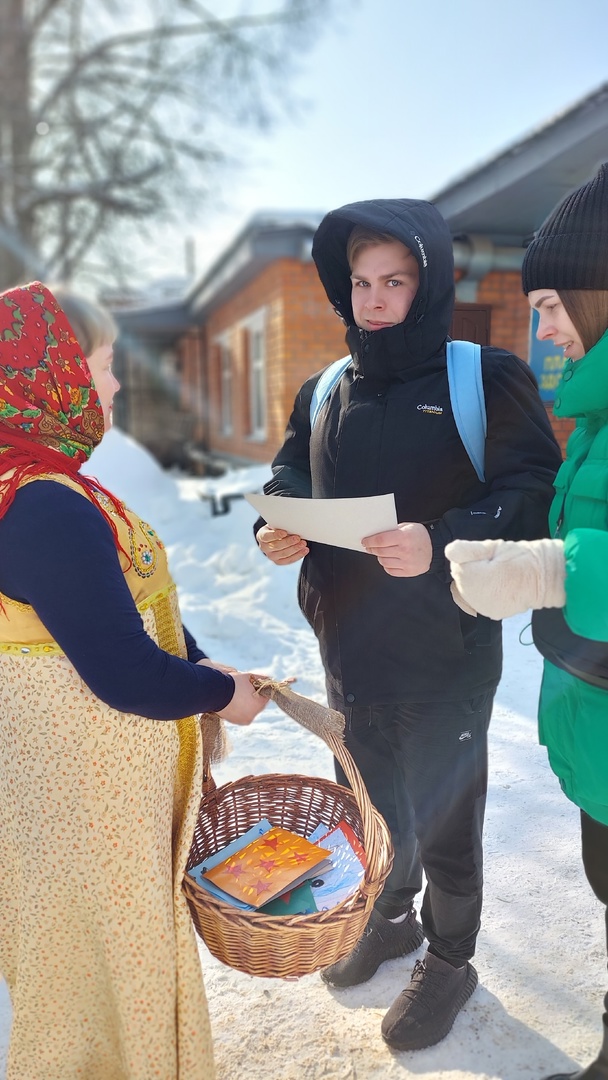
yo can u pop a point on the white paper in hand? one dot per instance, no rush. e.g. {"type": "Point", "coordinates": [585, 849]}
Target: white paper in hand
{"type": "Point", "coordinates": [339, 522]}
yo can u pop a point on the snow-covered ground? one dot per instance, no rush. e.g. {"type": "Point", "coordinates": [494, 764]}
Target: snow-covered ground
{"type": "Point", "coordinates": [540, 956]}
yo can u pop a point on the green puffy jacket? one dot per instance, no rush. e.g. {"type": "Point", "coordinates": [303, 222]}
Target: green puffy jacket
{"type": "Point", "coordinates": [573, 715]}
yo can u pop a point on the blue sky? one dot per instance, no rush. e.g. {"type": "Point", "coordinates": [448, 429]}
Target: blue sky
{"type": "Point", "coordinates": [398, 97]}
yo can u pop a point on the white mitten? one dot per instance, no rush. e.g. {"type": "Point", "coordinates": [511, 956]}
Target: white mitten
{"type": "Point", "coordinates": [499, 578]}
{"type": "Point", "coordinates": [460, 600]}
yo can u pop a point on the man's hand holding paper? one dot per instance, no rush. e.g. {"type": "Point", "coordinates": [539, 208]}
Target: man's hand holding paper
{"type": "Point", "coordinates": [403, 552]}
{"type": "Point", "coordinates": [282, 548]}
{"type": "Point", "coordinates": [339, 522]}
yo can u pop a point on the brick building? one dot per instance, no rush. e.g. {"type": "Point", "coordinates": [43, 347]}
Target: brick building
{"type": "Point", "coordinates": [212, 377]}
{"type": "Point", "coordinates": [260, 337]}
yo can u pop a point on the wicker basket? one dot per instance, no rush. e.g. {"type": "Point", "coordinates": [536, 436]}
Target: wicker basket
{"type": "Point", "coordinates": [287, 946]}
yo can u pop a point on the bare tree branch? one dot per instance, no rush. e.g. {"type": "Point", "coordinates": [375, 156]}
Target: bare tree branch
{"type": "Point", "coordinates": [101, 128]}
{"type": "Point", "coordinates": [163, 32]}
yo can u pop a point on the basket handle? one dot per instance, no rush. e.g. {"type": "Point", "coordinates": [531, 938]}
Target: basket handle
{"type": "Point", "coordinates": [328, 724]}
{"type": "Point", "coordinates": [317, 718]}
{"type": "Point", "coordinates": [215, 746]}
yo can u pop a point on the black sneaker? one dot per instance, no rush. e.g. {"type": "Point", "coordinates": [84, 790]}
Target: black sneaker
{"type": "Point", "coordinates": [381, 940]}
{"type": "Point", "coordinates": [424, 1012]}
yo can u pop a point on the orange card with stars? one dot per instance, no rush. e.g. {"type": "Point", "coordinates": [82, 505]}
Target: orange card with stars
{"type": "Point", "coordinates": [268, 866]}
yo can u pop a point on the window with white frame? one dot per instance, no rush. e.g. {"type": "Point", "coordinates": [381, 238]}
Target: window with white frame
{"type": "Point", "coordinates": [256, 358]}
{"type": "Point", "coordinates": [226, 409]}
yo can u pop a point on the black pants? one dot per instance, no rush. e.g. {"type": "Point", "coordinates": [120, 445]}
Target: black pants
{"type": "Point", "coordinates": [594, 838]}
{"type": "Point", "coordinates": [425, 767]}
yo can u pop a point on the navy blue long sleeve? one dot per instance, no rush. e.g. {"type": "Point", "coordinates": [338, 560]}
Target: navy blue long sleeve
{"type": "Point", "coordinates": [194, 653]}
{"type": "Point", "coordinates": [58, 554]}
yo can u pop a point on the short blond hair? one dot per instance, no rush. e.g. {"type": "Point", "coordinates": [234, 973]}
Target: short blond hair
{"type": "Point", "coordinates": [93, 324]}
{"type": "Point", "coordinates": [362, 237]}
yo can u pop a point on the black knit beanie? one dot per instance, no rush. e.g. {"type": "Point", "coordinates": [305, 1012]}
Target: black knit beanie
{"type": "Point", "coordinates": [570, 250]}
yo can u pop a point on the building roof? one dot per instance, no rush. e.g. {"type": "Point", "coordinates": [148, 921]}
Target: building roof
{"type": "Point", "coordinates": [504, 199]}
{"type": "Point", "coordinates": [268, 235]}
{"type": "Point", "coordinates": [509, 196]}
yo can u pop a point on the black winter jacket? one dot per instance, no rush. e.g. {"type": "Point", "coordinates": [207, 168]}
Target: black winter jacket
{"type": "Point", "coordinates": [388, 427]}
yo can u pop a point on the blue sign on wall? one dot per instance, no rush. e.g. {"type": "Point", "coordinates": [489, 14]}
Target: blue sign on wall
{"type": "Point", "coordinates": [546, 361]}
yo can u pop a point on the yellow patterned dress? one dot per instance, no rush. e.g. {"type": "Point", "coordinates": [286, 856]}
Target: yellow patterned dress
{"type": "Point", "coordinates": [97, 811]}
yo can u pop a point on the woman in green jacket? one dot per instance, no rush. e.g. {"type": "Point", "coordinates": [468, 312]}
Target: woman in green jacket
{"type": "Point", "coordinates": [565, 580]}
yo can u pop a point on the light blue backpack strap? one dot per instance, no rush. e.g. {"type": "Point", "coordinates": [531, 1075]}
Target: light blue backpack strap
{"type": "Point", "coordinates": [468, 401]}
{"type": "Point", "coordinates": [325, 385]}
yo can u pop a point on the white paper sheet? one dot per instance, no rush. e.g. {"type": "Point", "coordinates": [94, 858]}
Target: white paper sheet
{"type": "Point", "coordinates": [340, 522]}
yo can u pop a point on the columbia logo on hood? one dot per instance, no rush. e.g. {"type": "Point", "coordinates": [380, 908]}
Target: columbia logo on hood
{"type": "Point", "coordinates": [422, 251]}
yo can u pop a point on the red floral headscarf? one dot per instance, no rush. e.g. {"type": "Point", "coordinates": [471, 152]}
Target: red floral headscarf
{"type": "Point", "coordinates": [50, 413]}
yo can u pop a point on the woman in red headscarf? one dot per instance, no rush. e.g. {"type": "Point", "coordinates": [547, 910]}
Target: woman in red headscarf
{"type": "Point", "coordinates": [100, 756]}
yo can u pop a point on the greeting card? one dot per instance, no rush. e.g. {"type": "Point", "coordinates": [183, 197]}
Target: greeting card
{"type": "Point", "coordinates": [198, 872]}
{"type": "Point", "coordinates": [270, 865]}
{"type": "Point", "coordinates": [298, 901]}
{"type": "Point", "coordinates": [318, 836]}
{"type": "Point", "coordinates": [341, 880]}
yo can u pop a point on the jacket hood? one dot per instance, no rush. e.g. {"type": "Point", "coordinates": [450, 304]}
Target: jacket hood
{"type": "Point", "coordinates": [418, 225]}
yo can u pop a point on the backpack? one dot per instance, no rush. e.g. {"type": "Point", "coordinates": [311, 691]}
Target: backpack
{"type": "Point", "coordinates": [466, 397]}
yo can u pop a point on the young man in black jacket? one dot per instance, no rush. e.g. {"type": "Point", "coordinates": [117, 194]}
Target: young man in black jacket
{"type": "Point", "coordinates": [413, 673]}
